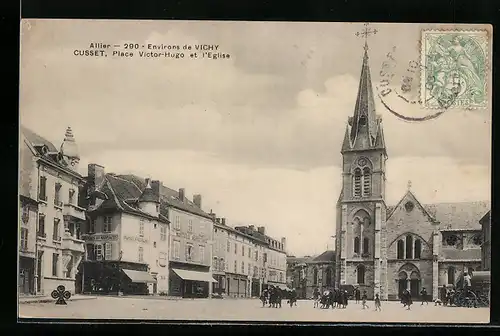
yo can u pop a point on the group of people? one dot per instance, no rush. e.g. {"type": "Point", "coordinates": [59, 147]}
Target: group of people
{"type": "Point", "coordinates": [273, 296]}
{"type": "Point", "coordinates": [336, 298]}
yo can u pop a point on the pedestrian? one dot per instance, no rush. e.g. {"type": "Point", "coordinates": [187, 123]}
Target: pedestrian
{"type": "Point", "coordinates": [293, 297]}
{"type": "Point", "coordinates": [279, 297]}
{"type": "Point", "coordinates": [443, 295]}
{"type": "Point", "coordinates": [408, 299]}
{"type": "Point", "coordinates": [423, 294]}
{"type": "Point", "coordinates": [346, 298]}
{"type": "Point", "coordinates": [263, 297]}
{"type": "Point", "coordinates": [363, 299]}
{"type": "Point", "coordinates": [357, 294]}
{"type": "Point", "coordinates": [316, 297]}
{"type": "Point", "coordinates": [378, 305]}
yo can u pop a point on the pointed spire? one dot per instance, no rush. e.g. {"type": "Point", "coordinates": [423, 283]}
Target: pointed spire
{"type": "Point", "coordinates": [69, 147]}
{"type": "Point", "coordinates": [148, 195]}
{"type": "Point", "coordinates": [364, 120]}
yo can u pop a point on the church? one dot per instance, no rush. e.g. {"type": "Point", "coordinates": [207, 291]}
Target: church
{"type": "Point", "coordinates": [386, 249]}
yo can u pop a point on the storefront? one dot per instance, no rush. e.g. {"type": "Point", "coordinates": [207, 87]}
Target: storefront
{"type": "Point", "coordinates": [219, 286]}
{"type": "Point", "coordinates": [26, 275]}
{"type": "Point", "coordinates": [255, 287]}
{"type": "Point", "coordinates": [236, 285]}
{"type": "Point", "coordinates": [112, 277]}
{"type": "Point", "coordinates": [190, 281]}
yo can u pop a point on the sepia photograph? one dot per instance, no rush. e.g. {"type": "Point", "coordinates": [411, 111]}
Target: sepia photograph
{"type": "Point", "coordinates": [238, 171]}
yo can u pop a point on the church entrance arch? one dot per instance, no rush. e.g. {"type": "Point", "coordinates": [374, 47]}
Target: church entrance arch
{"type": "Point", "coordinates": [409, 278]}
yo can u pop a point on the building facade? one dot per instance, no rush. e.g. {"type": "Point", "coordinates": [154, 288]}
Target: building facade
{"type": "Point", "coordinates": [50, 248]}
{"type": "Point", "coordinates": [126, 236]}
{"type": "Point", "coordinates": [486, 246]}
{"type": "Point", "coordinates": [386, 249]}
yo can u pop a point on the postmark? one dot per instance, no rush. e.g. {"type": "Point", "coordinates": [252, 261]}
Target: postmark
{"type": "Point", "coordinates": [454, 69]}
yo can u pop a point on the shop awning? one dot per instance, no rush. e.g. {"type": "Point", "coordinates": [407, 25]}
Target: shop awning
{"type": "Point", "coordinates": [194, 275]}
{"type": "Point", "coordinates": [139, 276]}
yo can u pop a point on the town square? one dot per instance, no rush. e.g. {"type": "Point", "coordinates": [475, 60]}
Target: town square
{"type": "Point", "coordinates": [221, 200]}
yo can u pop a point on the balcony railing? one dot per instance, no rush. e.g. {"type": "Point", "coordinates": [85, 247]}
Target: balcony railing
{"type": "Point", "coordinates": [74, 211]}
{"type": "Point", "coordinates": [42, 198]}
{"type": "Point", "coordinates": [58, 204]}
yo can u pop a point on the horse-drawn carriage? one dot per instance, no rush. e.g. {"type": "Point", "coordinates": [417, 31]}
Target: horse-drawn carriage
{"type": "Point", "coordinates": [478, 293]}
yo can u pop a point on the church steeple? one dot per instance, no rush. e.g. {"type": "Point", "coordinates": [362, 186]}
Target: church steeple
{"type": "Point", "coordinates": [364, 127]}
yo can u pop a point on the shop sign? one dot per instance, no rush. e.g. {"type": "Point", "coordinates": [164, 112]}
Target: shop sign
{"type": "Point", "coordinates": [191, 236]}
{"type": "Point", "coordinates": [137, 239]}
{"type": "Point", "coordinates": [100, 237]}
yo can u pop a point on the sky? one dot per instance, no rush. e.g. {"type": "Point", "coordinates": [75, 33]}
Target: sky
{"type": "Point", "coordinates": [258, 134]}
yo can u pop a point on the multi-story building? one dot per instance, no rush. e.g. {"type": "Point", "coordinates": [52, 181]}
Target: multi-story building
{"type": "Point", "coordinates": [485, 222]}
{"type": "Point", "coordinates": [270, 256]}
{"type": "Point", "coordinates": [297, 274]}
{"type": "Point", "coordinates": [127, 238]}
{"type": "Point", "coordinates": [219, 254]}
{"type": "Point", "coordinates": [50, 248]}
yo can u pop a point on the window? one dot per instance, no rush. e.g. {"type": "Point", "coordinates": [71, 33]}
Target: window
{"type": "Point", "coordinates": [477, 239]}
{"type": "Point", "coordinates": [24, 239]}
{"type": "Point", "coordinates": [356, 244]}
{"type": "Point", "coordinates": [265, 257]}
{"type": "Point", "coordinates": [451, 240]}
{"type": "Point", "coordinates": [55, 262]}
{"type": "Point", "coordinates": [418, 248]}
{"type": "Point", "coordinates": [163, 259]}
{"type": "Point", "coordinates": [242, 250]}
{"type": "Point", "coordinates": [177, 222]}
{"type": "Point", "coordinates": [163, 232]}
{"type": "Point", "coordinates": [141, 254]}
{"type": "Point", "coordinates": [315, 276]}
{"type": "Point", "coordinates": [235, 266]}
{"type": "Point", "coordinates": [249, 268]}
{"type": "Point", "coordinates": [108, 252]}
{"type": "Point", "coordinates": [71, 196]}
{"type": "Point", "coordinates": [189, 252]}
{"type": "Point", "coordinates": [222, 265]}
{"type": "Point", "coordinates": [43, 189]}
{"type": "Point", "coordinates": [281, 276]}
{"type": "Point", "coordinates": [190, 225]}
{"type": "Point", "coordinates": [409, 247]}
{"type": "Point", "coordinates": [57, 195]}
{"type": "Point", "coordinates": [90, 252]}
{"type": "Point", "coordinates": [451, 275]}
{"type": "Point", "coordinates": [215, 263]}
{"type": "Point", "coordinates": [366, 245]}
{"type": "Point", "coordinates": [107, 223]}
{"type": "Point", "coordinates": [92, 226]}
{"type": "Point", "coordinates": [367, 182]}
{"type": "Point", "coordinates": [357, 182]}
{"type": "Point", "coordinates": [235, 248]}
{"type": "Point", "coordinates": [98, 251]}
{"type": "Point", "coordinates": [56, 236]}
{"type": "Point", "coordinates": [401, 249]}
{"type": "Point", "coordinates": [154, 244]}
{"type": "Point", "coordinates": [361, 274]}
{"type": "Point", "coordinates": [243, 267]}
{"type": "Point", "coordinates": [249, 252]}
{"type": "Point", "coordinates": [41, 225]}
{"type": "Point", "coordinates": [25, 215]}
{"type": "Point", "coordinates": [228, 246]}
{"type": "Point", "coordinates": [409, 206]}
{"type": "Point", "coordinates": [202, 253]}
{"type": "Point", "coordinates": [256, 255]}
{"type": "Point", "coordinates": [177, 249]}
{"type": "Point", "coordinates": [141, 228]}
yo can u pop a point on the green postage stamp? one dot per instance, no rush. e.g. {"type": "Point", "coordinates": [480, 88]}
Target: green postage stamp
{"type": "Point", "coordinates": [454, 69]}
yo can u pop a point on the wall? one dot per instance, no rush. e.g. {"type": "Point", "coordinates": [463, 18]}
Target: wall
{"type": "Point", "coordinates": [394, 267]}
{"type": "Point", "coordinates": [201, 235]}
{"type": "Point", "coordinates": [221, 237]}
{"type": "Point", "coordinates": [459, 268]}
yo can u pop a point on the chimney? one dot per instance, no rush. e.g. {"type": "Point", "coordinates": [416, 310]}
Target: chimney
{"type": "Point", "coordinates": [283, 243]}
{"type": "Point", "coordinates": [223, 221]}
{"type": "Point", "coordinates": [95, 177]}
{"type": "Point", "coordinates": [182, 194]}
{"type": "Point", "coordinates": [251, 227]}
{"type": "Point", "coordinates": [212, 215]}
{"type": "Point", "coordinates": [156, 186]}
{"type": "Point", "coordinates": [197, 200]}
{"type": "Point", "coordinates": [261, 230]}
{"type": "Point", "coordinates": [217, 220]}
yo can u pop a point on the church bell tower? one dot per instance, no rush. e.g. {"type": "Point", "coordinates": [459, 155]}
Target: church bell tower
{"type": "Point", "coordinates": [361, 208]}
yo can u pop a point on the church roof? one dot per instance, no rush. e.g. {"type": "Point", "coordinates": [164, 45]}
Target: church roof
{"type": "Point", "coordinates": [327, 256]}
{"type": "Point", "coordinates": [36, 139]}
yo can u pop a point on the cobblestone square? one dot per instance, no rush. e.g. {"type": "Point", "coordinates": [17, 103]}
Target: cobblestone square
{"type": "Point", "coordinates": [248, 310]}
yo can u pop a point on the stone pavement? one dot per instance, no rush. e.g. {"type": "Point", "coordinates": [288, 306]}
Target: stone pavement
{"type": "Point", "coordinates": [248, 310]}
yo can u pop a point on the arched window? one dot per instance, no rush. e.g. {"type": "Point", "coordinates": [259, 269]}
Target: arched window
{"type": "Point", "coordinates": [367, 182]}
{"type": "Point", "coordinates": [361, 274]}
{"type": "Point", "coordinates": [409, 247]}
{"type": "Point", "coordinates": [329, 276]}
{"type": "Point", "coordinates": [357, 182]}
{"type": "Point", "coordinates": [401, 249]}
{"type": "Point", "coordinates": [366, 245]}
{"type": "Point", "coordinates": [451, 275]}
{"type": "Point", "coordinates": [356, 244]}
{"type": "Point", "coordinates": [315, 276]}
{"type": "Point", "coordinates": [418, 248]}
